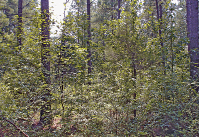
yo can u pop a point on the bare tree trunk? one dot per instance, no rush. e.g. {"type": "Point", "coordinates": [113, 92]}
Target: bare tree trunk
{"type": "Point", "coordinates": [89, 38]}
{"type": "Point", "coordinates": [192, 29]}
{"type": "Point", "coordinates": [19, 35]}
{"type": "Point", "coordinates": [45, 117]}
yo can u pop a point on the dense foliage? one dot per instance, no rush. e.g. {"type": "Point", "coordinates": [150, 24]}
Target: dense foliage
{"type": "Point", "coordinates": [140, 78]}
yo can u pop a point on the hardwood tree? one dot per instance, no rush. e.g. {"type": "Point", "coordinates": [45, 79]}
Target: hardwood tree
{"type": "Point", "coordinates": [89, 38]}
{"type": "Point", "coordinates": [119, 10]}
{"type": "Point", "coordinates": [20, 2]}
{"type": "Point", "coordinates": [159, 17]}
{"type": "Point", "coordinates": [45, 54]}
{"type": "Point", "coordinates": [192, 30]}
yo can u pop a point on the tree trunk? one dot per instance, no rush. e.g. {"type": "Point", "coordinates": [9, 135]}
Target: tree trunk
{"type": "Point", "coordinates": [134, 76]}
{"type": "Point", "coordinates": [192, 29]}
{"type": "Point", "coordinates": [159, 17]}
{"type": "Point", "coordinates": [45, 118]}
{"type": "Point", "coordinates": [19, 35]}
{"type": "Point", "coordinates": [119, 11]}
{"type": "Point", "coordinates": [88, 39]}
{"type": "Point", "coordinates": [112, 5]}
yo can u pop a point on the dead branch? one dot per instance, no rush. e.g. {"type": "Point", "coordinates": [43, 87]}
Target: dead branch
{"type": "Point", "coordinates": [15, 126]}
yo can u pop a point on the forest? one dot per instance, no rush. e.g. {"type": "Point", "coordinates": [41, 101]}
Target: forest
{"type": "Point", "coordinates": [111, 68]}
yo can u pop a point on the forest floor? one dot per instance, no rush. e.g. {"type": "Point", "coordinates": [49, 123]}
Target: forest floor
{"type": "Point", "coordinates": [13, 130]}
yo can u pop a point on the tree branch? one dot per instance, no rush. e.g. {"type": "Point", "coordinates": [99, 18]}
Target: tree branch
{"type": "Point", "coordinates": [15, 126]}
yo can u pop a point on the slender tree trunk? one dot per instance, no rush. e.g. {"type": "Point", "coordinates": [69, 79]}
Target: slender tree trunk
{"type": "Point", "coordinates": [192, 29]}
{"type": "Point", "coordinates": [112, 16]}
{"type": "Point", "coordinates": [133, 65]}
{"type": "Point", "coordinates": [134, 76]}
{"type": "Point", "coordinates": [19, 35]}
{"type": "Point", "coordinates": [172, 54]}
{"type": "Point", "coordinates": [60, 63]}
{"type": "Point", "coordinates": [45, 117]}
{"type": "Point", "coordinates": [159, 17]}
{"type": "Point", "coordinates": [89, 38]}
{"type": "Point", "coordinates": [119, 11]}
{"type": "Point", "coordinates": [78, 10]}
{"type": "Point", "coordinates": [60, 69]}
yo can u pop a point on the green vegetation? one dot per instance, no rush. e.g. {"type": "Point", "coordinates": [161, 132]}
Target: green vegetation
{"type": "Point", "coordinates": [138, 83]}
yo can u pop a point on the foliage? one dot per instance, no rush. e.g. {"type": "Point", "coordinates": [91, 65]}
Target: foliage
{"type": "Point", "coordinates": [126, 60]}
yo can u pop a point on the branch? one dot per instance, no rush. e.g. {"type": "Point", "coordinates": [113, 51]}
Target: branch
{"type": "Point", "coordinates": [26, 5]}
{"type": "Point", "coordinates": [15, 126]}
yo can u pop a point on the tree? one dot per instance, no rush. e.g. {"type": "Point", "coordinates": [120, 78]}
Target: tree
{"type": "Point", "coordinates": [192, 30]}
{"type": "Point", "coordinates": [89, 38]}
{"type": "Point", "coordinates": [45, 60]}
{"type": "Point", "coordinates": [130, 94]}
{"type": "Point", "coordinates": [159, 17]}
{"type": "Point", "coordinates": [20, 2]}
{"type": "Point", "coordinates": [119, 10]}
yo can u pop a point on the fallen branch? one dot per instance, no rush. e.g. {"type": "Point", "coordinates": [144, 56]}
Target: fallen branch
{"type": "Point", "coordinates": [15, 126]}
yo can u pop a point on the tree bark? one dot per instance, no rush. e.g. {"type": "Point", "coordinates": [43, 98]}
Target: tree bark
{"type": "Point", "coordinates": [119, 11]}
{"type": "Point", "coordinates": [19, 35]}
{"type": "Point", "coordinates": [192, 29]}
{"type": "Point", "coordinates": [45, 118]}
{"type": "Point", "coordinates": [88, 39]}
{"type": "Point", "coordinates": [159, 17]}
